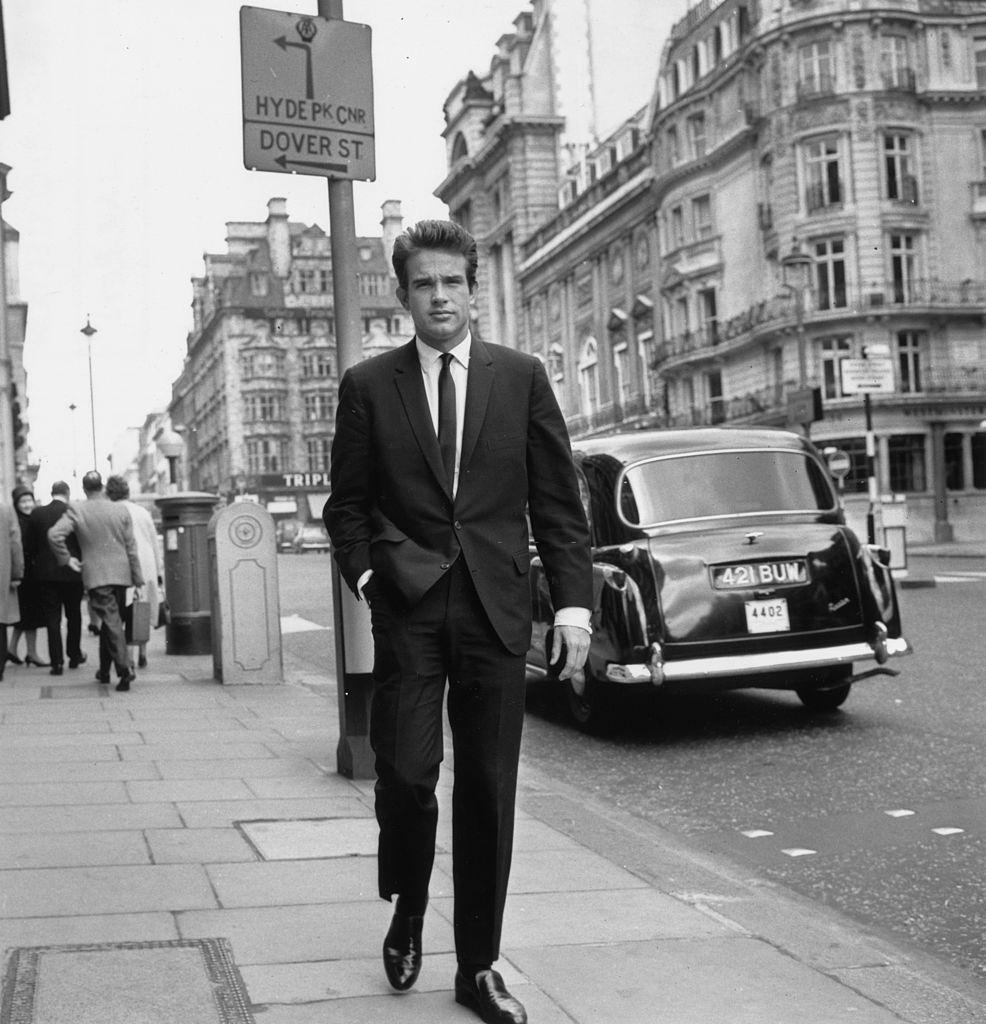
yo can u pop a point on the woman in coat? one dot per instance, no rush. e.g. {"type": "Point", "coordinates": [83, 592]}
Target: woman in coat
{"type": "Point", "coordinates": [11, 573]}
{"type": "Point", "coordinates": [32, 614]}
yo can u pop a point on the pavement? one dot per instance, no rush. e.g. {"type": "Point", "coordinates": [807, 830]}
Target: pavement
{"type": "Point", "coordinates": [186, 853]}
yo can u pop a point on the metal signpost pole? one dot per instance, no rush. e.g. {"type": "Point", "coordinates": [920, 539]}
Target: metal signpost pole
{"type": "Point", "coordinates": [871, 483]}
{"type": "Point", "coordinates": [354, 757]}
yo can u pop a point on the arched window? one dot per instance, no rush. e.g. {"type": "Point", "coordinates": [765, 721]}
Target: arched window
{"type": "Point", "coordinates": [589, 376]}
{"type": "Point", "coordinates": [459, 147]}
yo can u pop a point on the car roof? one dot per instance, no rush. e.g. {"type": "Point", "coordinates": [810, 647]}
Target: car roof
{"type": "Point", "coordinates": [631, 446]}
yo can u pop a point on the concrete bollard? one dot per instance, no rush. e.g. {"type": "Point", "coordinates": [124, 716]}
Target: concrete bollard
{"type": "Point", "coordinates": [246, 608]}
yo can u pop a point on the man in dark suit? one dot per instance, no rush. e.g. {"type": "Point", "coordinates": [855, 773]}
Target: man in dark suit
{"type": "Point", "coordinates": [61, 588]}
{"type": "Point", "coordinates": [440, 448]}
{"type": "Point", "coordinates": [109, 564]}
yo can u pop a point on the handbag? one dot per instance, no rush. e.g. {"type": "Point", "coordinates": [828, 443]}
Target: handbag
{"type": "Point", "coordinates": [163, 613]}
{"type": "Point", "coordinates": [141, 631]}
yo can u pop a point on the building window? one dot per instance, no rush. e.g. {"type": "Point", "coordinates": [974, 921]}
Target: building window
{"type": "Point", "coordinates": [674, 151]}
{"type": "Point", "coordinates": [708, 311]}
{"type": "Point", "coordinates": [463, 216]}
{"type": "Point", "coordinates": [822, 173]}
{"type": "Point", "coordinates": [319, 406]}
{"type": "Point", "coordinates": [979, 52]}
{"type": "Point", "coordinates": [589, 376]}
{"type": "Point", "coordinates": [907, 467]}
{"type": "Point", "coordinates": [258, 284]}
{"type": "Point", "coordinates": [902, 267]}
{"type": "Point", "coordinates": [696, 135]}
{"type": "Point", "coordinates": [717, 407]}
{"type": "Point", "coordinates": [677, 227]}
{"type": "Point", "coordinates": [556, 363]}
{"type": "Point", "coordinates": [318, 454]}
{"type": "Point", "coordinates": [954, 467]}
{"type": "Point", "coordinates": [832, 352]}
{"type": "Point", "coordinates": [895, 64]}
{"type": "Point", "coordinates": [979, 461]}
{"type": "Point", "coordinates": [266, 455]}
{"type": "Point", "coordinates": [264, 408]}
{"type": "Point", "coordinates": [830, 273]}
{"type": "Point", "coordinates": [702, 216]}
{"type": "Point", "coordinates": [901, 184]}
{"type": "Point", "coordinates": [909, 345]}
{"type": "Point", "coordinates": [317, 364]}
{"type": "Point", "coordinates": [261, 364]}
{"type": "Point", "coordinates": [816, 68]}
{"type": "Point", "coordinates": [620, 372]}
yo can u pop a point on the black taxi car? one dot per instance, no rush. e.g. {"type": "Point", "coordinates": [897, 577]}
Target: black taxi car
{"type": "Point", "coordinates": [721, 560]}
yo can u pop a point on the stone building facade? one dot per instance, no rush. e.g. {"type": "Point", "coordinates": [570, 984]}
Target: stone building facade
{"type": "Point", "coordinates": [805, 186]}
{"type": "Point", "coordinates": [255, 402]}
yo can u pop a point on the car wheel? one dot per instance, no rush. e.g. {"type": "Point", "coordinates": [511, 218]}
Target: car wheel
{"type": "Point", "coordinates": [827, 696]}
{"type": "Point", "coordinates": [590, 711]}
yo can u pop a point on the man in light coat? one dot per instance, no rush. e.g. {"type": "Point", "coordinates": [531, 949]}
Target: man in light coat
{"type": "Point", "coordinates": [109, 565]}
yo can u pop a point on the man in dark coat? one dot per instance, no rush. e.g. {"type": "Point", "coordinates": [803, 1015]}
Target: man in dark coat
{"type": "Point", "coordinates": [61, 588]}
{"type": "Point", "coordinates": [441, 446]}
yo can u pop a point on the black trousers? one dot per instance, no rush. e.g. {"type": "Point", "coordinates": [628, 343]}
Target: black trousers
{"type": "Point", "coordinates": [58, 596]}
{"type": "Point", "coordinates": [447, 636]}
{"type": "Point", "coordinates": [107, 604]}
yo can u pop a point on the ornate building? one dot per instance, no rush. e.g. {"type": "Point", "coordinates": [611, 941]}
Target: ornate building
{"type": "Point", "coordinates": [805, 187]}
{"type": "Point", "coordinates": [255, 402]}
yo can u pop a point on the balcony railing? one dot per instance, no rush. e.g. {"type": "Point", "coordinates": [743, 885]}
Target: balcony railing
{"type": "Point", "coordinates": [899, 79]}
{"type": "Point", "coordinates": [907, 191]}
{"type": "Point", "coordinates": [820, 196]}
{"type": "Point", "coordinates": [810, 88]}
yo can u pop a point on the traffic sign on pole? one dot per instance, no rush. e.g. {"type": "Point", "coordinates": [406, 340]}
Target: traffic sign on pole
{"type": "Point", "coordinates": [307, 95]}
{"type": "Point", "coordinates": [862, 376]}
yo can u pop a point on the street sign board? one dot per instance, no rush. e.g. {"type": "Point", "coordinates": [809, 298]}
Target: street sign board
{"type": "Point", "coordinates": [839, 463]}
{"type": "Point", "coordinates": [861, 376]}
{"type": "Point", "coordinates": [307, 95]}
{"type": "Point", "coordinates": [804, 405]}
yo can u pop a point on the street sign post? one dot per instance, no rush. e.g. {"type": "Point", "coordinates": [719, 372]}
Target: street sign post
{"type": "Point", "coordinates": [866, 376]}
{"type": "Point", "coordinates": [307, 95]}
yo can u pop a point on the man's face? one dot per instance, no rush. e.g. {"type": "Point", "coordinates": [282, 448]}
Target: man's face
{"type": "Point", "coordinates": [437, 297]}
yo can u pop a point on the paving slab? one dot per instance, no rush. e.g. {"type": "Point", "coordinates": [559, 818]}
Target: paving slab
{"type": "Point", "coordinates": [328, 931]}
{"type": "Point", "coordinates": [38, 794]}
{"type": "Point", "coordinates": [196, 751]}
{"type": "Point", "coordinates": [233, 768]}
{"type": "Point", "coordinates": [287, 883]}
{"type": "Point", "coordinates": [217, 814]}
{"type": "Point", "coordinates": [197, 846]}
{"type": "Point", "coordinates": [181, 790]}
{"type": "Point", "coordinates": [89, 817]}
{"type": "Point", "coordinates": [312, 838]}
{"type": "Point", "coordinates": [78, 771]}
{"type": "Point", "coordinates": [48, 931]}
{"type": "Point", "coordinates": [70, 849]}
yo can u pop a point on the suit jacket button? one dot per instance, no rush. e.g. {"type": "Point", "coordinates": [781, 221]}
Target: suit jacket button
{"type": "Point", "coordinates": [444, 565]}
{"type": "Point", "coordinates": [458, 525]}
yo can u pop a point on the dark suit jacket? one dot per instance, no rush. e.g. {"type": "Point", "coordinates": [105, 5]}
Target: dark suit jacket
{"type": "Point", "coordinates": [38, 551]}
{"type": "Point", "coordinates": [390, 508]}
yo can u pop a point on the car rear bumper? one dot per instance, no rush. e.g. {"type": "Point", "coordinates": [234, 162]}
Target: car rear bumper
{"type": "Point", "coordinates": [658, 672]}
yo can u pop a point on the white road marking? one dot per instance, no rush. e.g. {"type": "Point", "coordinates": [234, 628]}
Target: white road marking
{"type": "Point", "coordinates": [947, 831]}
{"type": "Point", "coordinates": [900, 813]}
{"type": "Point", "coordinates": [756, 833]}
{"type": "Point", "coordinates": [798, 851]}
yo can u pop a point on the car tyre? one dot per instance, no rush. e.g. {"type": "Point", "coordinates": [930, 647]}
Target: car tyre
{"type": "Point", "coordinates": [828, 696]}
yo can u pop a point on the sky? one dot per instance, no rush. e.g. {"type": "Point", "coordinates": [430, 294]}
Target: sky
{"type": "Point", "coordinates": [125, 143]}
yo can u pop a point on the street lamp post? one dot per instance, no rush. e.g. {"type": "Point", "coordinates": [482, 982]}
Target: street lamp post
{"type": "Point", "coordinates": [171, 445]}
{"type": "Point", "coordinates": [89, 331]}
{"type": "Point", "coordinates": [798, 264]}
{"type": "Point", "coordinates": [75, 448]}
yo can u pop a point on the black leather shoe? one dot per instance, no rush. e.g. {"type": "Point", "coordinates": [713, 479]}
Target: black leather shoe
{"type": "Point", "coordinates": [485, 993]}
{"type": "Point", "coordinates": [103, 677]}
{"type": "Point", "coordinates": [13, 659]}
{"type": "Point", "coordinates": [76, 662]}
{"type": "Point", "coordinates": [402, 951]}
{"type": "Point", "coordinates": [36, 662]}
{"type": "Point", "coordinates": [124, 684]}
{"type": "Point", "coordinates": [56, 670]}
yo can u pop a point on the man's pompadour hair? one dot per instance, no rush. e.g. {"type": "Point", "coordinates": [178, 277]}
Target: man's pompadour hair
{"type": "Point", "coordinates": [444, 235]}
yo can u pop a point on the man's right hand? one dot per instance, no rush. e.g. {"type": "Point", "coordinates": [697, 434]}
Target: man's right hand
{"type": "Point", "coordinates": [74, 564]}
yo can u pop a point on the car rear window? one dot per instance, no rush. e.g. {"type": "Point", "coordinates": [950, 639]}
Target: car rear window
{"type": "Point", "coordinates": [738, 482]}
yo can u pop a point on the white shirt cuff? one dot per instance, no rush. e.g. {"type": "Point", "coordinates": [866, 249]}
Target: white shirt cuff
{"type": "Point", "coordinates": [574, 617]}
{"type": "Point", "coordinates": [362, 582]}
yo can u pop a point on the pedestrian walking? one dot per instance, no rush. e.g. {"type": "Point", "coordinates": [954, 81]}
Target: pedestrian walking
{"type": "Point", "coordinates": [29, 594]}
{"type": "Point", "coordinates": [440, 448]}
{"type": "Point", "coordinates": [149, 554]}
{"type": "Point", "coordinates": [109, 565]}
{"type": "Point", "coordinates": [11, 573]}
{"type": "Point", "coordinates": [60, 589]}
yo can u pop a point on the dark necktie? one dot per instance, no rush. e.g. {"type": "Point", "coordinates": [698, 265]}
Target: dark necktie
{"type": "Point", "coordinates": [446, 417]}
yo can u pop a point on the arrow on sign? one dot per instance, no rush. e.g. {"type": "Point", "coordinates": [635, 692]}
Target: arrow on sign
{"type": "Point", "coordinates": [283, 42]}
{"type": "Point", "coordinates": [284, 161]}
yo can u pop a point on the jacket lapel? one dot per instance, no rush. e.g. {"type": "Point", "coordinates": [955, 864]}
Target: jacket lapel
{"type": "Point", "coordinates": [411, 388]}
{"type": "Point", "coordinates": [478, 386]}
